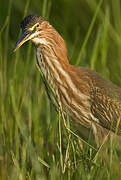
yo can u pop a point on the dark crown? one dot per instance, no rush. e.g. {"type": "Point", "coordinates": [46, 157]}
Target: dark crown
{"type": "Point", "coordinates": [30, 20]}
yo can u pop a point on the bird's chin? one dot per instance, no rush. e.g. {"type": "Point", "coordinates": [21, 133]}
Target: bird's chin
{"type": "Point", "coordinates": [38, 41]}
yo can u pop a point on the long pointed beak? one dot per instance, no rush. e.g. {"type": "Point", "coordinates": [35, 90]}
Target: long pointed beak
{"type": "Point", "coordinates": [23, 38]}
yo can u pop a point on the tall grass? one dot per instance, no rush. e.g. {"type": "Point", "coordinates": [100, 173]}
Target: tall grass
{"type": "Point", "coordinates": [35, 141]}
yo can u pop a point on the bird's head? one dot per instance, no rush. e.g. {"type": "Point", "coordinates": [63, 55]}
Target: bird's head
{"type": "Point", "coordinates": [33, 27]}
{"type": "Point", "coordinates": [37, 29]}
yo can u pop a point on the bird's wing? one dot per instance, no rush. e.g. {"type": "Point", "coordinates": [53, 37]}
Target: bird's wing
{"type": "Point", "coordinates": [104, 97]}
{"type": "Point", "coordinates": [106, 107]}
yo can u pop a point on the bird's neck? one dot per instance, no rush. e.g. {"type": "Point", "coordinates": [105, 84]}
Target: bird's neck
{"type": "Point", "coordinates": [53, 61]}
{"type": "Point", "coordinates": [52, 56]}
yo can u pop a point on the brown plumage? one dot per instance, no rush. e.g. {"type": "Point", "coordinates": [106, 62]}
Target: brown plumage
{"type": "Point", "coordinates": [92, 102]}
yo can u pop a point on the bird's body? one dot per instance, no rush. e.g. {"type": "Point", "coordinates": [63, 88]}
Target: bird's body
{"type": "Point", "coordinates": [92, 103]}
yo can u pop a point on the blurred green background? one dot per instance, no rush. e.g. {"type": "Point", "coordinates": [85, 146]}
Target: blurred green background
{"type": "Point", "coordinates": [29, 139]}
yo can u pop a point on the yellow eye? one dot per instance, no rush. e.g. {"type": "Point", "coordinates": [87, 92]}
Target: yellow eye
{"type": "Point", "coordinates": [37, 25]}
